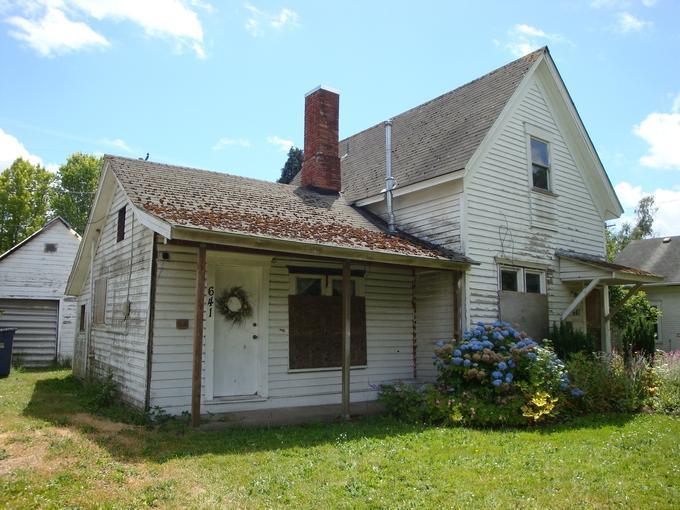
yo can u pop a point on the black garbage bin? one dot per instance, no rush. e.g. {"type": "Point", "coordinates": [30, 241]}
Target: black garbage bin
{"type": "Point", "coordinates": [6, 341]}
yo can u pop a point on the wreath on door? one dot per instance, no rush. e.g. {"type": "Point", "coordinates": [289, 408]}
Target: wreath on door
{"type": "Point", "coordinates": [234, 305]}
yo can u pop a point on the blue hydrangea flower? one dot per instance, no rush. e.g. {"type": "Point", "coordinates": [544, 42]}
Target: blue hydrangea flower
{"type": "Point", "coordinates": [531, 356]}
{"type": "Point", "coordinates": [496, 382]}
{"type": "Point", "coordinates": [502, 366]}
{"type": "Point", "coordinates": [516, 335]}
{"type": "Point", "coordinates": [496, 374]}
{"type": "Point", "coordinates": [457, 353]}
{"type": "Point", "coordinates": [511, 363]}
{"type": "Point", "coordinates": [576, 392]}
{"type": "Point", "coordinates": [508, 378]}
{"type": "Point", "coordinates": [480, 323]}
{"type": "Point", "coordinates": [467, 362]}
{"type": "Point", "coordinates": [457, 361]}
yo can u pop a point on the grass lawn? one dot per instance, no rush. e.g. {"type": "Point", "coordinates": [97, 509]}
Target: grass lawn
{"type": "Point", "coordinates": [53, 454]}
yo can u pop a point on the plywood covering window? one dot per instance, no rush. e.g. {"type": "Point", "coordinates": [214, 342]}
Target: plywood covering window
{"type": "Point", "coordinates": [100, 301]}
{"type": "Point", "coordinates": [315, 322]}
{"type": "Point", "coordinates": [120, 234]}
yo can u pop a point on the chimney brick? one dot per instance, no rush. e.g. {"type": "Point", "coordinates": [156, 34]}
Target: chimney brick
{"type": "Point", "coordinates": [321, 164]}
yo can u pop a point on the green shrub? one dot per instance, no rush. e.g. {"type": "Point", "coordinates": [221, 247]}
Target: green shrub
{"type": "Point", "coordinates": [568, 341]}
{"type": "Point", "coordinates": [667, 391]}
{"type": "Point", "coordinates": [639, 336]}
{"type": "Point", "coordinates": [610, 383]}
{"type": "Point", "coordinates": [100, 393]}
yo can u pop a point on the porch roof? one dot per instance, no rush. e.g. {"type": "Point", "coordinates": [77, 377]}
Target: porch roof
{"type": "Point", "coordinates": [580, 267]}
{"type": "Point", "coordinates": [199, 205]}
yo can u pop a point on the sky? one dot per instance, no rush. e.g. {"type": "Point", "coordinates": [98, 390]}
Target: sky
{"type": "Point", "coordinates": [220, 85]}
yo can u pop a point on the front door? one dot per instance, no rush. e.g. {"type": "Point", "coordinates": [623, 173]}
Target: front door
{"type": "Point", "coordinates": [236, 349]}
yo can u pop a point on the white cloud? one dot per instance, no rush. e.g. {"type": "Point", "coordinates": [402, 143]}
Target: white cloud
{"type": "Point", "coordinates": [229, 142]}
{"type": "Point", "coordinates": [627, 23]}
{"type": "Point", "coordinates": [667, 218]}
{"type": "Point", "coordinates": [54, 33]}
{"type": "Point", "coordinates": [524, 38]}
{"type": "Point", "coordinates": [11, 149]}
{"type": "Point", "coordinates": [662, 132]}
{"type": "Point", "coordinates": [48, 29]}
{"type": "Point", "coordinates": [116, 143]}
{"type": "Point", "coordinates": [259, 21]}
{"type": "Point", "coordinates": [283, 144]}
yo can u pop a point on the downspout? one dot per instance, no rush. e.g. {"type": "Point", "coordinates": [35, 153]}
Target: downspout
{"type": "Point", "coordinates": [389, 180]}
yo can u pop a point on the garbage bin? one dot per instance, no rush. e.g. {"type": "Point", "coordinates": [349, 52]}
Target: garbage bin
{"type": "Point", "coordinates": [6, 340]}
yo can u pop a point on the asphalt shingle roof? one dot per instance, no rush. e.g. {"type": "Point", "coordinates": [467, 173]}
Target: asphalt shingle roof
{"type": "Point", "coordinates": [656, 256]}
{"type": "Point", "coordinates": [220, 202]}
{"type": "Point", "coordinates": [433, 139]}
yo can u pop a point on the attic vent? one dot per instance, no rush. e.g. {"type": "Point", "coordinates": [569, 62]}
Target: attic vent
{"type": "Point", "coordinates": [666, 240]}
{"type": "Point", "coordinates": [50, 248]}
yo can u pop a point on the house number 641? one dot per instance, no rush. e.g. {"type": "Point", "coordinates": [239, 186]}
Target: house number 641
{"type": "Point", "coordinates": [211, 300]}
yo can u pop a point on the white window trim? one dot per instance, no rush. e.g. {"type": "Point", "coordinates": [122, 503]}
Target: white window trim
{"type": "Point", "coordinates": [327, 283]}
{"type": "Point", "coordinates": [544, 136]}
{"type": "Point", "coordinates": [521, 277]}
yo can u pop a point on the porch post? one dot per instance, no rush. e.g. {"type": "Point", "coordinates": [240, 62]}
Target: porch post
{"type": "Point", "coordinates": [346, 335]}
{"type": "Point", "coordinates": [198, 339]}
{"type": "Point", "coordinates": [606, 321]}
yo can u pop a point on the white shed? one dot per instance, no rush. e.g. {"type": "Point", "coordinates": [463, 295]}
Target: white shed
{"type": "Point", "coordinates": [33, 277]}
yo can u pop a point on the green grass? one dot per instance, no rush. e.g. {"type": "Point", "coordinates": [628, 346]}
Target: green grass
{"type": "Point", "coordinates": [53, 454]}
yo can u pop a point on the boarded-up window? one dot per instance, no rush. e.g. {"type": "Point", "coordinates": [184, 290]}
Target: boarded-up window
{"type": "Point", "coordinates": [120, 234]}
{"type": "Point", "coordinates": [315, 331]}
{"type": "Point", "coordinates": [100, 301]}
{"type": "Point", "coordinates": [82, 318]}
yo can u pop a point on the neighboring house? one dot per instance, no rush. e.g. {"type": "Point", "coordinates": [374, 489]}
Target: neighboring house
{"type": "Point", "coordinates": [498, 213]}
{"type": "Point", "coordinates": [33, 277]}
{"type": "Point", "coordinates": [660, 256]}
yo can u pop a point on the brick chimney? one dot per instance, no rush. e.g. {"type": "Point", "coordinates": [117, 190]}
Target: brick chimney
{"type": "Point", "coordinates": [321, 164]}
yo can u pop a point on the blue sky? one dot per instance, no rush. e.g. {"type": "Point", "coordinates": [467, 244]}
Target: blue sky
{"type": "Point", "coordinates": [220, 85]}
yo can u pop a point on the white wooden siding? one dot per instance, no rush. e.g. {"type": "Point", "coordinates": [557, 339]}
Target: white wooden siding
{"type": "Point", "coordinates": [119, 346]}
{"type": "Point", "coordinates": [434, 317]}
{"type": "Point", "coordinates": [432, 214]}
{"type": "Point", "coordinates": [499, 205]}
{"type": "Point", "coordinates": [30, 273]}
{"type": "Point", "coordinates": [389, 331]}
{"type": "Point", "coordinates": [668, 301]}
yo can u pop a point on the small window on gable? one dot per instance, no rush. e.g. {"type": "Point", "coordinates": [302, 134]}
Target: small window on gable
{"type": "Point", "coordinates": [120, 235]}
{"type": "Point", "coordinates": [509, 279]}
{"type": "Point", "coordinates": [540, 164]}
{"type": "Point", "coordinates": [50, 248]}
{"type": "Point", "coordinates": [82, 318]}
{"type": "Point", "coordinates": [532, 282]}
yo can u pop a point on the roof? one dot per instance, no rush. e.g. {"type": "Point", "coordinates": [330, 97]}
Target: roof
{"type": "Point", "coordinates": [656, 256]}
{"type": "Point", "coordinates": [436, 138]}
{"type": "Point", "coordinates": [220, 202]}
{"type": "Point", "coordinates": [37, 233]}
{"type": "Point", "coordinates": [604, 264]}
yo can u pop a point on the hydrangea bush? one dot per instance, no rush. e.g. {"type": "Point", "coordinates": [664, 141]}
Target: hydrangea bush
{"type": "Point", "coordinates": [495, 375]}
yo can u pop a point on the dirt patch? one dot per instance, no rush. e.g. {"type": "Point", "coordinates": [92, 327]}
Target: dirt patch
{"type": "Point", "coordinates": [101, 425]}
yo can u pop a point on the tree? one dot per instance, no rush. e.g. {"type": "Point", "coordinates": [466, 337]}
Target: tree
{"type": "Point", "coordinates": [25, 191]}
{"type": "Point", "coordinates": [642, 229]}
{"type": "Point", "coordinates": [77, 181]}
{"type": "Point", "coordinates": [292, 166]}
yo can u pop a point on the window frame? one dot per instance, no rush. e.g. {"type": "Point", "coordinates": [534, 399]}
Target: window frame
{"type": "Point", "coordinates": [100, 302]}
{"type": "Point", "coordinates": [83, 318]}
{"type": "Point", "coordinates": [506, 269]}
{"type": "Point", "coordinates": [548, 168]}
{"type": "Point", "coordinates": [541, 135]}
{"type": "Point", "coordinates": [521, 273]}
{"type": "Point", "coordinates": [120, 224]}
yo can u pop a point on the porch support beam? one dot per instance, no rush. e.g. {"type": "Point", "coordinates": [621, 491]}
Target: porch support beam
{"type": "Point", "coordinates": [620, 304]}
{"type": "Point", "coordinates": [346, 335]}
{"type": "Point", "coordinates": [198, 339]}
{"type": "Point", "coordinates": [581, 296]}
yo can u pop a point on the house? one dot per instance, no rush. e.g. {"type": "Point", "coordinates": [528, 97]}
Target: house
{"type": "Point", "coordinates": [33, 277]}
{"type": "Point", "coordinates": [661, 256]}
{"type": "Point", "coordinates": [486, 203]}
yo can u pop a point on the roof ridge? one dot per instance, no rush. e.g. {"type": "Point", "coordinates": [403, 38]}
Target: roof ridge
{"type": "Point", "coordinates": [533, 54]}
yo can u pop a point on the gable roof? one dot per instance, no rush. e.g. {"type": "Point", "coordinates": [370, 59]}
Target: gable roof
{"type": "Point", "coordinates": [37, 233]}
{"type": "Point", "coordinates": [656, 256]}
{"type": "Point", "coordinates": [599, 262]}
{"type": "Point", "coordinates": [188, 198]}
{"type": "Point", "coordinates": [435, 138]}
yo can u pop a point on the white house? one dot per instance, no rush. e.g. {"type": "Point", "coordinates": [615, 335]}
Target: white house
{"type": "Point", "coordinates": [661, 256]}
{"type": "Point", "coordinates": [33, 277]}
{"type": "Point", "coordinates": [486, 203]}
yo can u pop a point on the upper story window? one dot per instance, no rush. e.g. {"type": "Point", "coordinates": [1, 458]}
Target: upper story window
{"type": "Point", "coordinates": [509, 279]}
{"type": "Point", "coordinates": [519, 279]}
{"type": "Point", "coordinates": [50, 248]}
{"type": "Point", "coordinates": [120, 234]}
{"type": "Point", "coordinates": [540, 164]}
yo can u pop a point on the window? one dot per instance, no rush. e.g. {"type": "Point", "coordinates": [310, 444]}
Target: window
{"type": "Point", "coordinates": [120, 235]}
{"type": "Point", "coordinates": [82, 318]}
{"type": "Point", "coordinates": [315, 321]}
{"type": "Point", "coordinates": [532, 282]}
{"type": "Point", "coordinates": [50, 248]}
{"type": "Point", "coordinates": [100, 301]}
{"type": "Point", "coordinates": [509, 279]}
{"type": "Point", "coordinates": [540, 164]}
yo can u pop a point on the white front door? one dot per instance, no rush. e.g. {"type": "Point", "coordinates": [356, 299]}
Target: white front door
{"type": "Point", "coordinates": [236, 347]}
